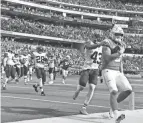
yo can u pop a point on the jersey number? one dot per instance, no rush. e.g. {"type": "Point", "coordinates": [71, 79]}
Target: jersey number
{"type": "Point", "coordinates": [40, 59]}
{"type": "Point", "coordinates": [96, 57]}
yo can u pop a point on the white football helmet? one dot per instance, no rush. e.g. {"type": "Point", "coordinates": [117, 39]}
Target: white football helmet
{"type": "Point", "coordinates": [68, 57]}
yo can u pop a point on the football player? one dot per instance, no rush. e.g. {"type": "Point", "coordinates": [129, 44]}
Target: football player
{"type": "Point", "coordinates": [9, 67]}
{"type": "Point", "coordinates": [112, 71]}
{"type": "Point", "coordinates": [40, 58]}
{"type": "Point", "coordinates": [65, 64]}
{"type": "Point", "coordinates": [52, 64]}
{"type": "Point", "coordinates": [92, 53]}
{"type": "Point", "coordinates": [24, 59]}
{"type": "Point", "coordinates": [17, 65]}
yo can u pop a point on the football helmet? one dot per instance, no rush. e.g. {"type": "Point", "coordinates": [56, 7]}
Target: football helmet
{"type": "Point", "coordinates": [116, 34]}
{"type": "Point", "coordinates": [24, 53]}
{"type": "Point", "coordinates": [68, 57]}
{"type": "Point", "coordinates": [39, 49]}
{"type": "Point", "coordinates": [16, 54]}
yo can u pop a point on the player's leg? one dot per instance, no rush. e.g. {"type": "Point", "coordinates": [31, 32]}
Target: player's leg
{"type": "Point", "coordinates": [3, 75]}
{"type": "Point", "coordinates": [64, 75]}
{"type": "Point", "coordinates": [30, 72]}
{"type": "Point", "coordinates": [41, 71]}
{"type": "Point", "coordinates": [38, 75]}
{"type": "Point", "coordinates": [93, 78]}
{"type": "Point", "coordinates": [109, 77]}
{"type": "Point", "coordinates": [124, 87]}
{"type": "Point", "coordinates": [18, 72]}
{"type": "Point", "coordinates": [25, 74]}
{"type": "Point", "coordinates": [55, 73]}
{"type": "Point", "coordinates": [43, 81]}
{"type": "Point", "coordinates": [22, 71]}
{"type": "Point", "coordinates": [82, 83]}
{"type": "Point", "coordinates": [13, 72]}
{"type": "Point", "coordinates": [51, 76]}
{"type": "Point", "coordinates": [100, 76]}
{"type": "Point", "coordinates": [7, 72]}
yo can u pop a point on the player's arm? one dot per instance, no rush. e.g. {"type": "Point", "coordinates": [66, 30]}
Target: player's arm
{"type": "Point", "coordinates": [21, 59]}
{"type": "Point", "coordinates": [106, 53]}
{"type": "Point", "coordinates": [121, 67]}
{"type": "Point", "coordinates": [94, 46]}
{"type": "Point", "coordinates": [61, 62]}
{"type": "Point", "coordinates": [4, 61]}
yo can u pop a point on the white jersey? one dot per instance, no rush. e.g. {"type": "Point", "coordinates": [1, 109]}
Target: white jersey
{"type": "Point", "coordinates": [39, 59]}
{"type": "Point", "coordinates": [51, 62]}
{"type": "Point", "coordinates": [92, 58]}
{"type": "Point", "coordinates": [16, 60]}
{"type": "Point", "coordinates": [26, 59]}
{"type": "Point", "coordinates": [9, 59]}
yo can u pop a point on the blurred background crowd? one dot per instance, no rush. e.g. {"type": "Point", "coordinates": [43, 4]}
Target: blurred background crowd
{"type": "Point", "coordinates": [56, 23]}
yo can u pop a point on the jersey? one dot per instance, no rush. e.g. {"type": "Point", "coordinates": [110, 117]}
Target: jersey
{"type": "Point", "coordinates": [52, 62]}
{"type": "Point", "coordinates": [25, 58]}
{"type": "Point", "coordinates": [92, 58]}
{"type": "Point", "coordinates": [39, 59]}
{"type": "Point", "coordinates": [16, 60]}
{"type": "Point", "coordinates": [9, 59]}
{"type": "Point", "coordinates": [116, 63]}
{"type": "Point", "coordinates": [65, 64]}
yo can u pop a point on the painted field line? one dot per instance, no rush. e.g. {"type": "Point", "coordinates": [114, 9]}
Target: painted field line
{"type": "Point", "coordinates": [68, 91]}
{"type": "Point", "coordinates": [140, 85]}
{"type": "Point", "coordinates": [52, 101]}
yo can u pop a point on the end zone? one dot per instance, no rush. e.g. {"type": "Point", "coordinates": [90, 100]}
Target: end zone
{"type": "Point", "coordinates": [135, 116]}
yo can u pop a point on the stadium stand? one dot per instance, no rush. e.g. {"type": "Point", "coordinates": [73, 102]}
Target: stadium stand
{"type": "Point", "coordinates": [21, 17]}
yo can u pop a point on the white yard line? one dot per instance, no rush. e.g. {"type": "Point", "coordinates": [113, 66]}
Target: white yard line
{"type": "Point", "coordinates": [104, 94]}
{"type": "Point", "coordinates": [51, 101]}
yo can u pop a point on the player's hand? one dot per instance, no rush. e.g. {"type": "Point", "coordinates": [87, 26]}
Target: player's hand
{"type": "Point", "coordinates": [115, 50]}
{"type": "Point", "coordinates": [121, 51]}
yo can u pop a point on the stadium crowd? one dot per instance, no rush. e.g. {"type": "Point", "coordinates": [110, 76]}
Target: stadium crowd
{"type": "Point", "coordinates": [49, 13]}
{"type": "Point", "coordinates": [60, 31]}
{"type": "Point", "coordinates": [110, 4]}
{"type": "Point", "coordinates": [58, 51]}
{"type": "Point", "coordinates": [39, 28]}
{"type": "Point", "coordinates": [133, 64]}
{"type": "Point", "coordinates": [137, 27]}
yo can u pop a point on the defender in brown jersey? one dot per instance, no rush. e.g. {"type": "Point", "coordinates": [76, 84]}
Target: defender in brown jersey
{"type": "Point", "coordinates": [112, 71]}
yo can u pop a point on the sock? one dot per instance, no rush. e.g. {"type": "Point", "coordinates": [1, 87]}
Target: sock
{"type": "Point", "coordinates": [5, 83]}
{"type": "Point", "coordinates": [116, 113]}
{"type": "Point", "coordinates": [41, 89]}
{"type": "Point", "coordinates": [25, 79]}
{"type": "Point", "coordinates": [84, 105]}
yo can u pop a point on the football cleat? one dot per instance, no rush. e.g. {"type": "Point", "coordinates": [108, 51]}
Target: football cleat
{"type": "Point", "coordinates": [120, 118]}
{"type": "Point", "coordinates": [111, 114]}
{"type": "Point", "coordinates": [3, 87]}
{"type": "Point", "coordinates": [83, 111]}
{"type": "Point", "coordinates": [35, 88]}
{"type": "Point", "coordinates": [43, 94]}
